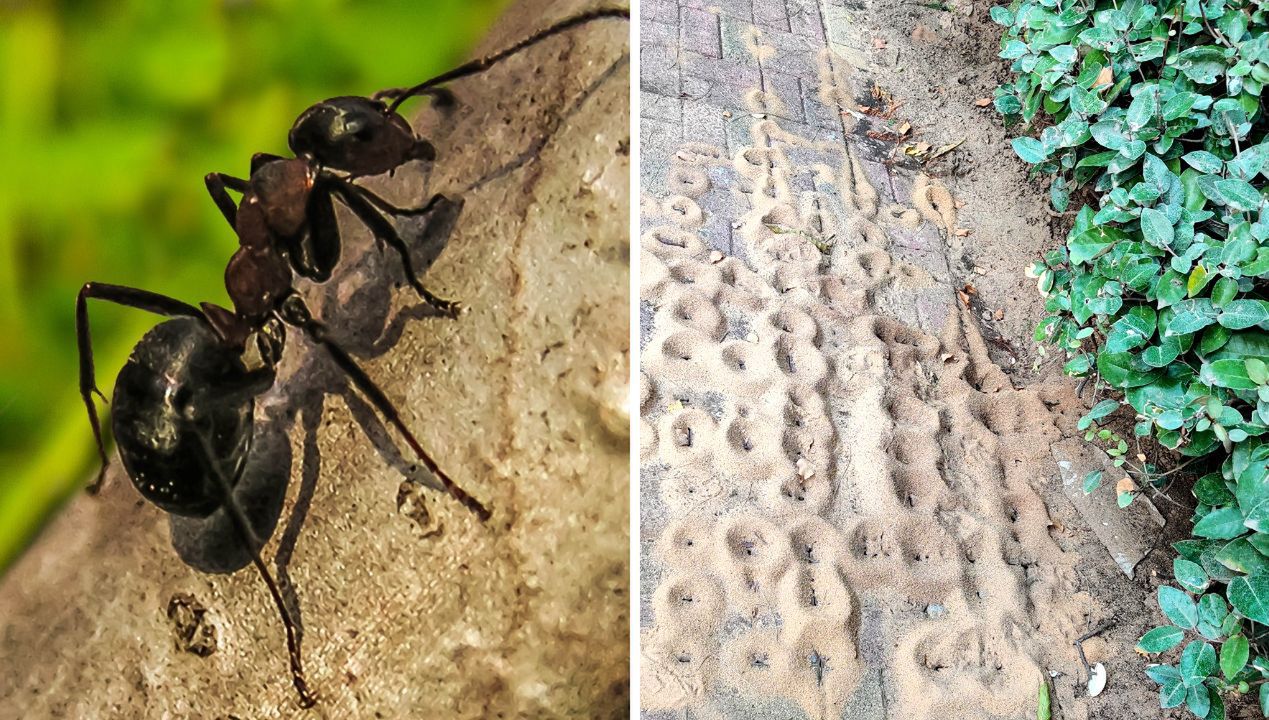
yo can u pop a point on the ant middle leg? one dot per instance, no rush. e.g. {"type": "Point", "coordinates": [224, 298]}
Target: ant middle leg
{"type": "Point", "coordinates": [294, 312]}
{"type": "Point", "coordinates": [119, 295]}
{"type": "Point", "coordinates": [374, 212]}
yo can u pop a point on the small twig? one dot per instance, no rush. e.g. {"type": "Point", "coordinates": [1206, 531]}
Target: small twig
{"type": "Point", "coordinates": [1079, 646]}
{"type": "Point", "coordinates": [1213, 31]}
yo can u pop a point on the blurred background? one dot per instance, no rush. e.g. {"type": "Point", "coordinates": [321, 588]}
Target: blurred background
{"type": "Point", "coordinates": [111, 113]}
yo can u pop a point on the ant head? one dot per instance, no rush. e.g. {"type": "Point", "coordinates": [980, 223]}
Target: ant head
{"type": "Point", "coordinates": [356, 135]}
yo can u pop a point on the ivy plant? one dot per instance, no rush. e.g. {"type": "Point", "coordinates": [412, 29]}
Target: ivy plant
{"type": "Point", "coordinates": [1148, 116]}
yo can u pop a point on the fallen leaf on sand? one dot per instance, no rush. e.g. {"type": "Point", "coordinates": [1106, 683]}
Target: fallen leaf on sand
{"type": "Point", "coordinates": [964, 297]}
{"type": "Point", "coordinates": [879, 43]}
{"type": "Point", "coordinates": [917, 150]}
{"type": "Point", "coordinates": [962, 232]}
{"type": "Point", "coordinates": [1000, 315]}
{"type": "Point", "coordinates": [982, 102]}
{"type": "Point", "coordinates": [945, 149]}
{"type": "Point", "coordinates": [904, 129]}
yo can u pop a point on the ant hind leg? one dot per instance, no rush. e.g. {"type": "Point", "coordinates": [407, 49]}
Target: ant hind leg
{"type": "Point", "coordinates": [119, 295]}
{"type": "Point", "coordinates": [253, 544]}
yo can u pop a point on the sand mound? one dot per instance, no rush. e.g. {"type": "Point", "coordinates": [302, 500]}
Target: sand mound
{"type": "Point", "coordinates": [842, 508]}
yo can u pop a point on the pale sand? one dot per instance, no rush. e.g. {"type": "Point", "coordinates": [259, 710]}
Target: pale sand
{"type": "Point", "coordinates": [842, 494]}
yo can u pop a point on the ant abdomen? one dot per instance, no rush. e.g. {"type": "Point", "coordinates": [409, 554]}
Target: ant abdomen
{"type": "Point", "coordinates": [170, 404]}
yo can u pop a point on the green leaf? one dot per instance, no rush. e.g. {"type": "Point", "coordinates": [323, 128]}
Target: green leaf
{"type": "Point", "coordinates": [1143, 107]}
{"type": "Point", "coordinates": [1179, 105]}
{"type": "Point", "coordinates": [1202, 64]}
{"type": "Point", "coordinates": [1161, 639]}
{"type": "Point", "coordinates": [1131, 331]}
{"type": "Point", "coordinates": [1227, 373]}
{"type": "Point", "coordinates": [1192, 316]}
{"type": "Point", "coordinates": [1119, 370]}
{"type": "Point", "coordinates": [1204, 162]}
{"type": "Point", "coordinates": [1178, 606]}
{"type": "Point", "coordinates": [1092, 481]}
{"type": "Point", "coordinates": [1156, 228]}
{"type": "Point", "coordinates": [1198, 700]}
{"type": "Point", "coordinates": [1198, 661]}
{"type": "Point", "coordinates": [1249, 595]}
{"type": "Point", "coordinates": [1221, 524]}
{"type": "Point", "coordinates": [1189, 574]}
{"type": "Point", "coordinates": [1238, 194]}
{"type": "Point", "coordinates": [1002, 15]}
{"type": "Point", "coordinates": [1242, 314]}
{"type": "Point", "coordinates": [1093, 242]}
{"type": "Point", "coordinates": [1233, 658]}
{"type": "Point", "coordinates": [1163, 354]}
{"type": "Point", "coordinates": [1223, 291]}
{"type": "Point", "coordinates": [1030, 150]}
{"type": "Point", "coordinates": [1171, 288]}
{"type": "Point", "coordinates": [1044, 709]}
{"type": "Point", "coordinates": [1172, 693]}
{"type": "Point", "coordinates": [1197, 281]}
{"type": "Point", "coordinates": [1257, 370]}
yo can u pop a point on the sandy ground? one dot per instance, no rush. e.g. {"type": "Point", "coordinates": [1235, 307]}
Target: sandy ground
{"type": "Point", "coordinates": [410, 606]}
{"type": "Point", "coordinates": [850, 507]}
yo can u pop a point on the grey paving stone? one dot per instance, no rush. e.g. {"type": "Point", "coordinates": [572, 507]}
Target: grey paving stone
{"type": "Point", "coordinates": [701, 32]}
{"type": "Point", "coordinates": [1128, 533]}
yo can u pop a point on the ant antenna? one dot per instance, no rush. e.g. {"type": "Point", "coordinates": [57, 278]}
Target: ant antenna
{"type": "Point", "coordinates": [252, 543]}
{"type": "Point", "coordinates": [482, 64]}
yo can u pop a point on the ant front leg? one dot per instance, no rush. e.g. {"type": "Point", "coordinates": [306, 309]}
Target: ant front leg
{"type": "Point", "coordinates": [216, 184]}
{"type": "Point", "coordinates": [373, 212]}
{"type": "Point", "coordinates": [128, 297]}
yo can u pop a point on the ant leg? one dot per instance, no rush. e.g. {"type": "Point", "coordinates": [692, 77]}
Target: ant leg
{"type": "Point", "coordinates": [253, 544]}
{"type": "Point", "coordinates": [120, 295]}
{"type": "Point", "coordinates": [294, 312]}
{"type": "Point", "coordinates": [357, 199]}
{"type": "Point", "coordinates": [216, 184]}
{"type": "Point", "coordinates": [480, 65]}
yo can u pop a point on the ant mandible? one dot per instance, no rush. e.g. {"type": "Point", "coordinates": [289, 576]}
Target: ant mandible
{"type": "Point", "coordinates": [184, 402]}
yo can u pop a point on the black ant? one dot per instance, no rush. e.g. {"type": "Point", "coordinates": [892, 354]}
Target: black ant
{"type": "Point", "coordinates": [184, 402]}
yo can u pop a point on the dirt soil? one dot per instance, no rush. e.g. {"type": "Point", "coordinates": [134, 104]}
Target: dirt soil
{"type": "Point", "coordinates": [849, 507]}
{"type": "Point", "coordinates": [410, 606]}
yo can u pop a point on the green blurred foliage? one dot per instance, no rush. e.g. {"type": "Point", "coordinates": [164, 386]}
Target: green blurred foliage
{"type": "Point", "coordinates": [111, 113]}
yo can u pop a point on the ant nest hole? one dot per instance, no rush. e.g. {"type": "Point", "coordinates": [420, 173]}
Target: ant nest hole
{"type": "Point", "coordinates": [192, 630]}
{"type": "Point", "coordinates": [412, 503]}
